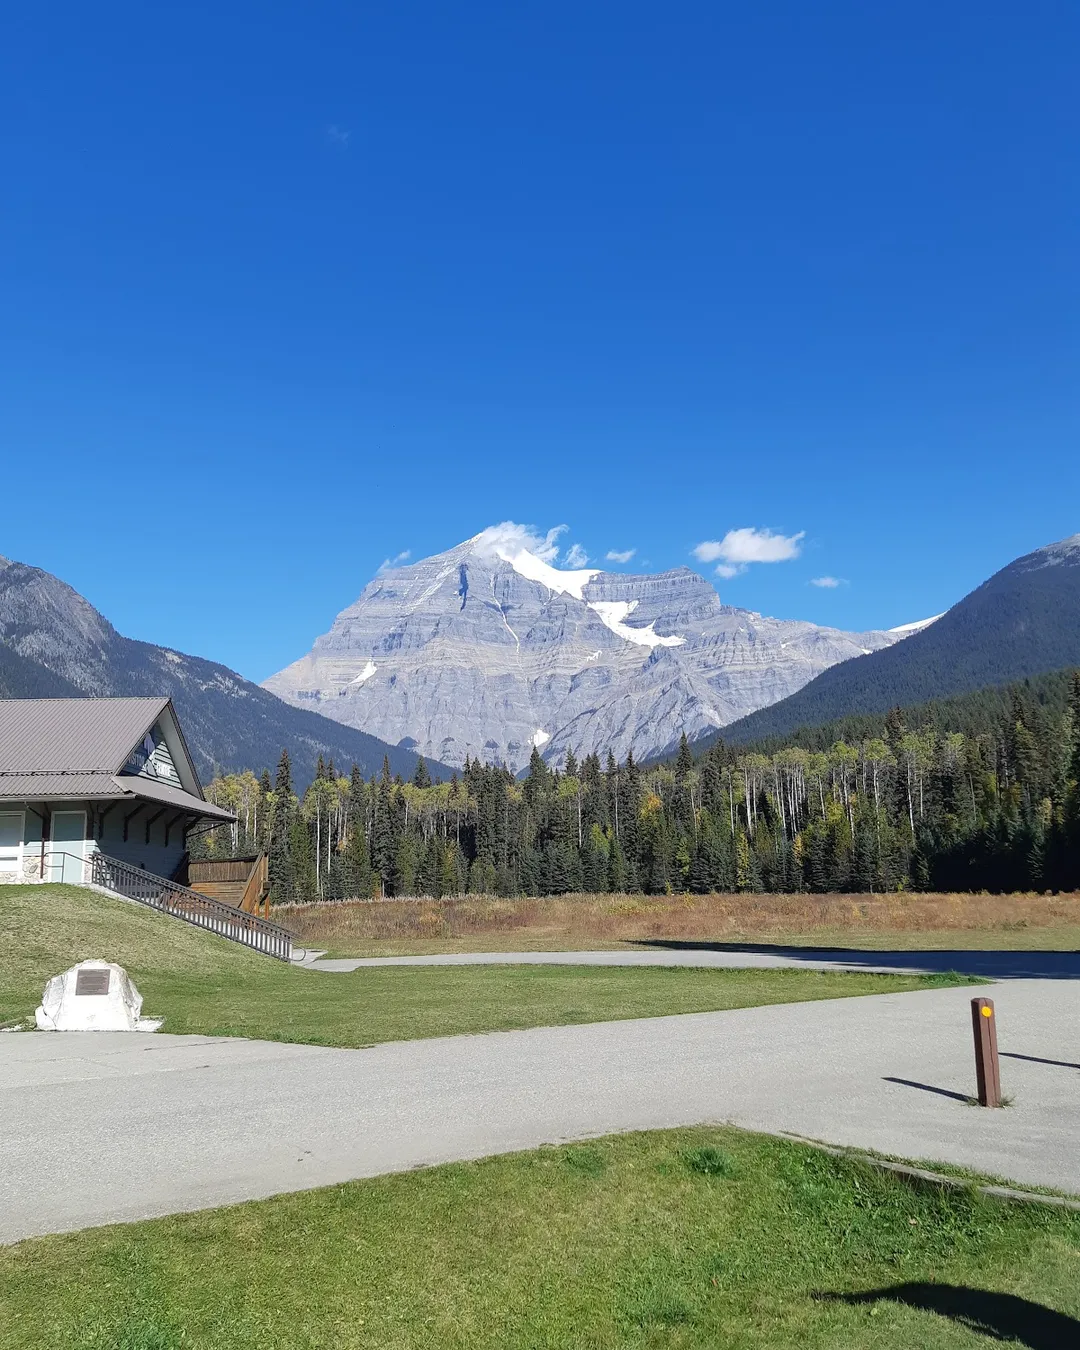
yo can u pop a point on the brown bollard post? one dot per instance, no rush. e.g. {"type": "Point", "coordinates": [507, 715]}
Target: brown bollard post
{"type": "Point", "coordinates": [987, 1073]}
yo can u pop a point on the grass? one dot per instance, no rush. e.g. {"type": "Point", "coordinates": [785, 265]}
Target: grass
{"type": "Point", "coordinates": [408, 1003]}
{"type": "Point", "coordinates": [46, 929]}
{"type": "Point", "coordinates": [686, 1239]}
{"type": "Point", "coordinates": [201, 983]}
{"type": "Point", "coordinates": [967, 1174]}
{"type": "Point", "coordinates": [606, 922]}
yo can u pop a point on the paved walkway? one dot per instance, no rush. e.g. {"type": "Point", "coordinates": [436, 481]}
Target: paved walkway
{"type": "Point", "coordinates": [993, 965]}
{"type": "Point", "coordinates": [100, 1127]}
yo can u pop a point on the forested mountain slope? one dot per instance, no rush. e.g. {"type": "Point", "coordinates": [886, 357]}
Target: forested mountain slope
{"type": "Point", "coordinates": [54, 643]}
{"type": "Point", "coordinates": [1023, 622]}
{"type": "Point", "coordinates": [20, 678]}
{"type": "Point", "coordinates": [975, 714]}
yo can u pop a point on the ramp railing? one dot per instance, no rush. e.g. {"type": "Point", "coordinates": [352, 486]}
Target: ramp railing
{"type": "Point", "coordinates": [134, 883]}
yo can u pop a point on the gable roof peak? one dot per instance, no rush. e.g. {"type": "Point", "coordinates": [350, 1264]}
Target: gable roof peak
{"type": "Point", "coordinates": [73, 735]}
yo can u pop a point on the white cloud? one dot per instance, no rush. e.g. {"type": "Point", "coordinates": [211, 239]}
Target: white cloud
{"type": "Point", "coordinates": [402, 557]}
{"type": "Point", "coordinates": [511, 538]}
{"type": "Point", "coordinates": [739, 548]}
{"type": "Point", "coordinates": [338, 136]}
{"type": "Point", "coordinates": [576, 556]}
{"type": "Point", "coordinates": [620, 555]}
{"type": "Point", "coordinates": [827, 583]}
{"type": "Point", "coordinates": [751, 546]}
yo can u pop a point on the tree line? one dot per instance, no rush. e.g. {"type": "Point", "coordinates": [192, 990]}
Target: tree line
{"type": "Point", "coordinates": [994, 807]}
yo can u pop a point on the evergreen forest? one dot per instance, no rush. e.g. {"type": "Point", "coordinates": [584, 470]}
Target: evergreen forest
{"type": "Point", "coordinates": [911, 804]}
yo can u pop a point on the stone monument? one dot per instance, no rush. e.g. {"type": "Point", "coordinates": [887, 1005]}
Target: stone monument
{"type": "Point", "coordinates": [93, 996]}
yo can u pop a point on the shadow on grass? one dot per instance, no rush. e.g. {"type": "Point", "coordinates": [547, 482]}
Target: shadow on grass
{"type": "Point", "coordinates": [996, 965]}
{"type": "Point", "coordinates": [1005, 1317]}
{"type": "Point", "coordinates": [925, 1087]}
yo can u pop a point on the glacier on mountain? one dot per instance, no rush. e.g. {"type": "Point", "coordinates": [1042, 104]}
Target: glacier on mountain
{"type": "Point", "coordinates": [613, 614]}
{"type": "Point", "coordinates": [527, 565]}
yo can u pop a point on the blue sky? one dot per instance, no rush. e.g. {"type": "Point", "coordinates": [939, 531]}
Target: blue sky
{"type": "Point", "coordinates": [290, 289]}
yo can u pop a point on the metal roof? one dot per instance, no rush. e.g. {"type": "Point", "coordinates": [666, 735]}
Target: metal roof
{"type": "Point", "coordinates": [42, 786]}
{"type": "Point", "coordinates": [73, 735]}
{"type": "Point", "coordinates": [45, 787]}
{"type": "Point", "coordinates": [153, 790]}
{"type": "Point", "coordinates": [73, 748]}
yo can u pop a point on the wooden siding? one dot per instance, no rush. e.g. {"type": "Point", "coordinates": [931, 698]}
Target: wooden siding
{"type": "Point", "coordinates": [220, 869]}
{"type": "Point", "coordinates": [241, 882]}
{"type": "Point", "coordinates": [152, 758]}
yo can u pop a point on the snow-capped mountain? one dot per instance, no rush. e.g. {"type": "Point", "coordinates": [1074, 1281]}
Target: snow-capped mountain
{"type": "Point", "coordinates": [488, 649]}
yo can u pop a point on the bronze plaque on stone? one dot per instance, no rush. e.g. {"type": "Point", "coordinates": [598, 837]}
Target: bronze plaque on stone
{"type": "Point", "coordinates": [92, 982]}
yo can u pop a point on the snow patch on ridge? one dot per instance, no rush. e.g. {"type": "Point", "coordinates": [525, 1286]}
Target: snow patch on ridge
{"type": "Point", "coordinates": [532, 568]}
{"type": "Point", "coordinates": [540, 737]}
{"type": "Point", "coordinates": [531, 556]}
{"type": "Point", "coordinates": [915, 627]}
{"type": "Point", "coordinates": [365, 674]}
{"type": "Point", "coordinates": [613, 615]}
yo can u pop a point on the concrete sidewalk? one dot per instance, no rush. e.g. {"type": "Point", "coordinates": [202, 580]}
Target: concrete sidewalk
{"type": "Point", "coordinates": [101, 1127]}
{"type": "Point", "coordinates": [991, 965]}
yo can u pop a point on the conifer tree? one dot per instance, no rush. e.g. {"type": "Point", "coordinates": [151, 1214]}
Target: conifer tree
{"type": "Point", "coordinates": [536, 782]}
{"type": "Point", "coordinates": [283, 778]}
{"type": "Point", "coordinates": [382, 836]}
{"type": "Point", "coordinates": [283, 888]}
{"type": "Point", "coordinates": [1074, 731]}
{"type": "Point", "coordinates": [684, 801]}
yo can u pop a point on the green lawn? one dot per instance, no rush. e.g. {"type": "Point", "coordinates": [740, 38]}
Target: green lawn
{"type": "Point", "coordinates": [201, 983]}
{"type": "Point", "coordinates": [690, 1239]}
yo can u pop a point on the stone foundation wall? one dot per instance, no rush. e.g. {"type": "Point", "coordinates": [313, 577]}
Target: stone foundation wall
{"type": "Point", "coordinates": [29, 871]}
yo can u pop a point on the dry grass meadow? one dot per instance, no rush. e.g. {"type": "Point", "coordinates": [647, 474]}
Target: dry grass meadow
{"type": "Point", "coordinates": [596, 922]}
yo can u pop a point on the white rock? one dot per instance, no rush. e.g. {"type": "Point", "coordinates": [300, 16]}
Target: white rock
{"type": "Point", "coordinates": [93, 996]}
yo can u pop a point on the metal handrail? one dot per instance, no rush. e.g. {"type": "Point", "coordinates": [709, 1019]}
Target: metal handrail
{"type": "Point", "coordinates": [169, 897]}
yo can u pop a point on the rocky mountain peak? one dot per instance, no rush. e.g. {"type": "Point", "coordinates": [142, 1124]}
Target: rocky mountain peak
{"type": "Point", "coordinates": [1065, 551]}
{"type": "Point", "coordinates": [489, 648]}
